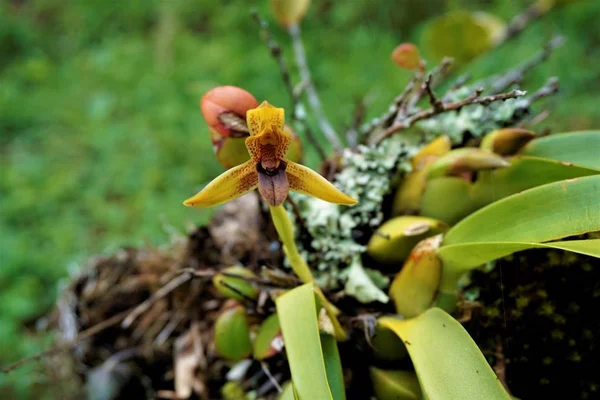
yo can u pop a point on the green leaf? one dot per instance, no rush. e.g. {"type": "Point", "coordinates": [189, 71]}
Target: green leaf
{"type": "Point", "coordinates": [541, 214]}
{"type": "Point", "coordinates": [333, 366]}
{"type": "Point", "coordinates": [315, 365]}
{"type": "Point", "coordinates": [267, 333]}
{"type": "Point", "coordinates": [456, 195]}
{"type": "Point", "coordinates": [581, 148]}
{"type": "Point", "coordinates": [395, 385]}
{"type": "Point", "coordinates": [462, 35]}
{"type": "Point", "coordinates": [288, 392]}
{"type": "Point", "coordinates": [463, 257]}
{"type": "Point", "coordinates": [232, 334]}
{"type": "Point", "coordinates": [523, 221]}
{"type": "Point", "coordinates": [448, 363]}
{"type": "Point", "coordinates": [522, 174]}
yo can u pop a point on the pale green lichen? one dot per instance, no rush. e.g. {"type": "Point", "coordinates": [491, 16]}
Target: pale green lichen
{"type": "Point", "coordinates": [368, 175]}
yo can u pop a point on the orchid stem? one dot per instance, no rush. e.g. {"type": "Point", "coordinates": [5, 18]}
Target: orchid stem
{"type": "Point", "coordinates": [285, 230]}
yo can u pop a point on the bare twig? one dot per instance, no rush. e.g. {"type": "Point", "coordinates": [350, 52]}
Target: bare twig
{"type": "Point", "coordinates": [273, 381]}
{"type": "Point", "coordinates": [311, 93]}
{"type": "Point", "coordinates": [516, 75]}
{"type": "Point", "coordinates": [99, 327]}
{"type": "Point", "coordinates": [277, 54]}
{"type": "Point", "coordinates": [522, 20]}
{"type": "Point", "coordinates": [294, 92]}
{"type": "Point", "coordinates": [160, 293]}
{"type": "Point", "coordinates": [475, 98]}
{"type": "Point", "coordinates": [551, 87]}
{"type": "Point", "coordinates": [436, 104]}
{"type": "Point", "coordinates": [441, 71]}
{"type": "Point", "coordinates": [357, 117]}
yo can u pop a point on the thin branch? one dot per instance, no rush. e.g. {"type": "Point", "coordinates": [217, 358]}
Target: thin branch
{"type": "Point", "coordinates": [436, 104]}
{"type": "Point", "coordinates": [516, 75]}
{"type": "Point", "coordinates": [551, 87]}
{"type": "Point", "coordinates": [107, 323]}
{"type": "Point", "coordinates": [277, 54]}
{"type": "Point", "coordinates": [160, 293]}
{"type": "Point", "coordinates": [357, 117]}
{"type": "Point", "coordinates": [521, 21]}
{"type": "Point", "coordinates": [475, 98]}
{"type": "Point", "coordinates": [311, 93]}
{"type": "Point", "coordinates": [294, 93]}
{"type": "Point", "coordinates": [313, 139]}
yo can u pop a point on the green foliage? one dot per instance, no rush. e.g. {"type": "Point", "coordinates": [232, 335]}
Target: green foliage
{"type": "Point", "coordinates": [313, 357]}
{"type": "Point", "coordinates": [101, 138]}
{"type": "Point", "coordinates": [447, 361]}
{"type": "Point", "coordinates": [522, 221]}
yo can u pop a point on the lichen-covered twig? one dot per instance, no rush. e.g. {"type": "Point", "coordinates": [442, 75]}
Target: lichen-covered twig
{"type": "Point", "coordinates": [311, 93]}
{"type": "Point", "coordinates": [439, 107]}
{"type": "Point", "coordinates": [516, 75]}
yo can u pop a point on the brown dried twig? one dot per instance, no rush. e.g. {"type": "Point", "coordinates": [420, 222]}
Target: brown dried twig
{"type": "Point", "coordinates": [160, 293]}
{"type": "Point", "coordinates": [439, 107]}
{"type": "Point", "coordinates": [99, 327]}
{"type": "Point", "coordinates": [516, 75]}
{"type": "Point", "coordinates": [522, 20]}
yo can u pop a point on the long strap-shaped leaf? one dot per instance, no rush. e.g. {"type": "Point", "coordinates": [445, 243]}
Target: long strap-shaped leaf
{"type": "Point", "coordinates": [524, 173]}
{"type": "Point", "coordinates": [447, 361]}
{"type": "Point", "coordinates": [541, 214]}
{"type": "Point", "coordinates": [314, 359]}
{"type": "Point", "coordinates": [460, 258]}
{"type": "Point", "coordinates": [581, 148]}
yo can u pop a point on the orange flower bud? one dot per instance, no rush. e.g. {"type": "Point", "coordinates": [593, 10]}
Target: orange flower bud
{"type": "Point", "coordinates": [406, 55]}
{"type": "Point", "coordinates": [224, 109]}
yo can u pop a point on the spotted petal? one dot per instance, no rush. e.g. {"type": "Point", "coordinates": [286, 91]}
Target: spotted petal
{"type": "Point", "coordinates": [306, 181]}
{"type": "Point", "coordinates": [265, 117]}
{"type": "Point", "coordinates": [229, 185]}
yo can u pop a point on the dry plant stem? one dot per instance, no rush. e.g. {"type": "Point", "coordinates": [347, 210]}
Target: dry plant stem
{"type": "Point", "coordinates": [475, 98]}
{"type": "Point", "coordinates": [516, 75]}
{"type": "Point", "coordinates": [107, 323]}
{"type": "Point", "coordinates": [163, 291]}
{"type": "Point", "coordinates": [521, 21]}
{"type": "Point", "coordinates": [293, 92]}
{"type": "Point", "coordinates": [311, 93]}
{"type": "Point", "coordinates": [277, 54]}
{"type": "Point", "coordinates": [285, 230]}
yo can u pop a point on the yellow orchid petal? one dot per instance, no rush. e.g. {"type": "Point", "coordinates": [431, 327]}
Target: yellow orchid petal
{"type": "Point", "coordinates": [267, 143]}
{"type": "Point", "coordinates": [306, 181]}
{"type": "Point", "coordinates": [229, 185]}
{"type": "Point", "coordinates": [265, 117]}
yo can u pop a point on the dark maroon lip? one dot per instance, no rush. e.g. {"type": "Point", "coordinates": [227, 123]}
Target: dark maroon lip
{"type": "Point", "coordinates": [273, 183]}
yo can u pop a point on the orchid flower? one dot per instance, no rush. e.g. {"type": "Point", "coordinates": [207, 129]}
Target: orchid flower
{"type": "Point", "coordinates": [267, 168]}
{"type": "Point", "coordinates": [274, 176]}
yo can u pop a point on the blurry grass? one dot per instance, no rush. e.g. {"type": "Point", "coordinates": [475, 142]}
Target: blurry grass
{"type": "Point", "coordinates": [101, 138]}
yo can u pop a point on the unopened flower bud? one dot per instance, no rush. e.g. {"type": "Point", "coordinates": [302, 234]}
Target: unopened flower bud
{"type": "Point", "coordinates": [224, 109]}
{"type": "Point", "coordinates": [406, 56]}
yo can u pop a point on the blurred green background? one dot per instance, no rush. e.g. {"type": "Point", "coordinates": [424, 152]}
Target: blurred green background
{"type": "Point", "coordinates": [101, 137]}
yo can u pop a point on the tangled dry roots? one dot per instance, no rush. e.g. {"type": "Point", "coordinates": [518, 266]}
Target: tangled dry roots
{"type": "Point", "coordinates": [151, 312]}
